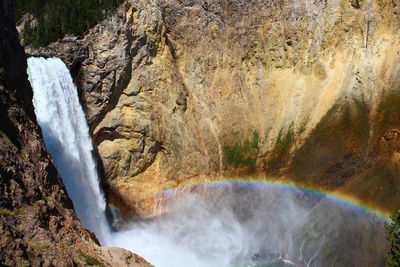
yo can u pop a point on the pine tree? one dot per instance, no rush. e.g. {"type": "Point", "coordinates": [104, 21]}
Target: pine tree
{"type": "Point", "coordinates": [393, 236]}
{"type": "Point", "coordinates": [57, 18]}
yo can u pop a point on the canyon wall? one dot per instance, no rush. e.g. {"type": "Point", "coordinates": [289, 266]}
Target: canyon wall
{"type": "Point", "coordinates": [38, 226]}
{"type": "Point", "coordinates": [182, 91]}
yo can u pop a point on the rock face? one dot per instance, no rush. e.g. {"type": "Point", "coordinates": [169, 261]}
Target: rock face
{"type": "Point", "coordinates": [38, 226]}
{"type": "Point", "coordinates": [178, 91]}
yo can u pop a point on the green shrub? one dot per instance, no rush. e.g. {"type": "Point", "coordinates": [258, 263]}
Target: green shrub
{"type": "Point", "coordinates": [393, 236]}
{"type": "Point", "coordinates": [284, 140]}
{"type": "Point", "coordinates": [89, 260]}
{"type": "Point", "coordinates": [23, 263]}
{"type": "Point", "coordinates": [242, 154]}
{"type": "Point", "coordinates": [7, 212]}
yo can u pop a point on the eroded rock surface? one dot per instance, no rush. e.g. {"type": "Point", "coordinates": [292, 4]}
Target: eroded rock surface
{"type": "Point", "coordinates": [38, 226]}
{"type": "Point", "coordinates": [177, 91]}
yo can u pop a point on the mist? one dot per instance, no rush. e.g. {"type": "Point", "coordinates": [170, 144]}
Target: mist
{"type": "Point", "coordinates": [239, 226]}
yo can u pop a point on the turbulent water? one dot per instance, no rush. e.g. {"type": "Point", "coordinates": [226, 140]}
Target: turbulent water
{"type": "Point", "coordinates": [233, 225]}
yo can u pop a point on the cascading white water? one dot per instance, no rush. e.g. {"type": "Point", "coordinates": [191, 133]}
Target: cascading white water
{"type": "Point", "coordinates": [66, 135]}
{"type": "Point", "coordinates": [232, 226]}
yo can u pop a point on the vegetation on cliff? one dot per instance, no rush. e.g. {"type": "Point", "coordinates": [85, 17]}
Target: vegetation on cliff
{"type": "Point", "coordinates": [56, 18]}
{"type": "Point", "coordinates": [242, 154]}
{"type": "Point", "coordinates": [393, 236]}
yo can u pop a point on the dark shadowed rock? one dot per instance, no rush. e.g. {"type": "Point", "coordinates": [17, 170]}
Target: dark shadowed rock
{"type": "Point", "coordinates": [38, 226]}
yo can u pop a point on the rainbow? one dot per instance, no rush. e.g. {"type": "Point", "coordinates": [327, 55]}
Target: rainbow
{"type": "Point", "coordinates": [337, 198]}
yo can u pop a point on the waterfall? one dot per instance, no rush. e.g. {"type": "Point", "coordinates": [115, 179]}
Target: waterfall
{"type": "Point", "coordinates": [66, 135]}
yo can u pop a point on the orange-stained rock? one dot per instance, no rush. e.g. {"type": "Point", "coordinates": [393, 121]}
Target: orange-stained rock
{"type": "Point", "coordinates": [181, 90]}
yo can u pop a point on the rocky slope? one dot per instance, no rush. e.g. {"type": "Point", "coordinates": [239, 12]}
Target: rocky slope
{"type": "Point", "coordinates": [178, 91]}
{"type": "Point", "coordinates": [38, 226]}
